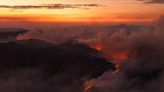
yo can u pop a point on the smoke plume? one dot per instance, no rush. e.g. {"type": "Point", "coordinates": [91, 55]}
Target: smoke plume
{"type": "Point", "coordinates": [136, 50]}
{"type": "Point", "coordinates": [143, 70]}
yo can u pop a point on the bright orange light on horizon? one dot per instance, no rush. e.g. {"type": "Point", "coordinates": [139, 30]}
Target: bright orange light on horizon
{"type": "Point", "coordinates": [111, 11]}
{"type": "Point", "coordinates": [75, 18]}
{"type": "Point", "coordinates": [121, 13]}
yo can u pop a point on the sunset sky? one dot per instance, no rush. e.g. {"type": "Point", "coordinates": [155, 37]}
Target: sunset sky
{"type": "Point", "coordinates": [81, 10]}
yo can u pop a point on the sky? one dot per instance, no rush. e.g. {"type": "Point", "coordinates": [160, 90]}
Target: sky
{"type": "Point", "coordinates": [81, 10]}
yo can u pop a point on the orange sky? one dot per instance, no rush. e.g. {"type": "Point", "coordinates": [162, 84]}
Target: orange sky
{"type": "Point", "coordinates": [104, 11]}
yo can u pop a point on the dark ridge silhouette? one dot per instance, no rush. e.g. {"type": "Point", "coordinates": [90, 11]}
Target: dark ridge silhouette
{"type": "Point", "coordinates": [11, 32]}
{"type": "Point", "coordinates": [71, 59]}
{"type": "Point", "coordinates": [34, 43]}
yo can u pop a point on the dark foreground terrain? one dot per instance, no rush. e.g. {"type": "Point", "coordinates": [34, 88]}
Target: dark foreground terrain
{"type": "Point", "coordinates": [38, 66]}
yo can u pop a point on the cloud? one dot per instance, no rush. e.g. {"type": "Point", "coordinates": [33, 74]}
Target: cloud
{"type": "Point", "coordinates": [156, 1]}
{"type": "Point", "coordinates": [153, 1]}
{"type": "Point", "coordinates": [50, 6]}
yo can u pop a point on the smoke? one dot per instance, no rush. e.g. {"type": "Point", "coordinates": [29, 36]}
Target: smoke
{"type": "Point", "coordinates": [31, 80]}
{"type": "Point", "coordinates": [143, 70]}
{"type": "Point", "coordinates": [137, 50]}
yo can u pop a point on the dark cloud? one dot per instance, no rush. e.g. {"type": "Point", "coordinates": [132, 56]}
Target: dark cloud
{"type": "Point", "coordinates": [51, 6]}
{"type": "Point", "coordinates": [153, 1]}
{"type": "Point", "coordinates": [156, 1]}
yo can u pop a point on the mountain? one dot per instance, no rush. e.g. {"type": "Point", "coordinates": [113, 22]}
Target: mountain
{"type": "Point", "coordinates": [33, 43]}
{"type": "Point", "coordinates": [11, 32]}
{"type": "Point", "coordinates": [68, 64]}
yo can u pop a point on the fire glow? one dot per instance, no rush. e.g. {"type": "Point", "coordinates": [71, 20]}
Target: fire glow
{"type": "Point", "coordinates": [120, 56]}
{"type": "Point", "coordinates": [88, 86]}
{"type": "Point", "coordinates": [98, 47]}
{"type": "Point", "coordinates": [107, 53]}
